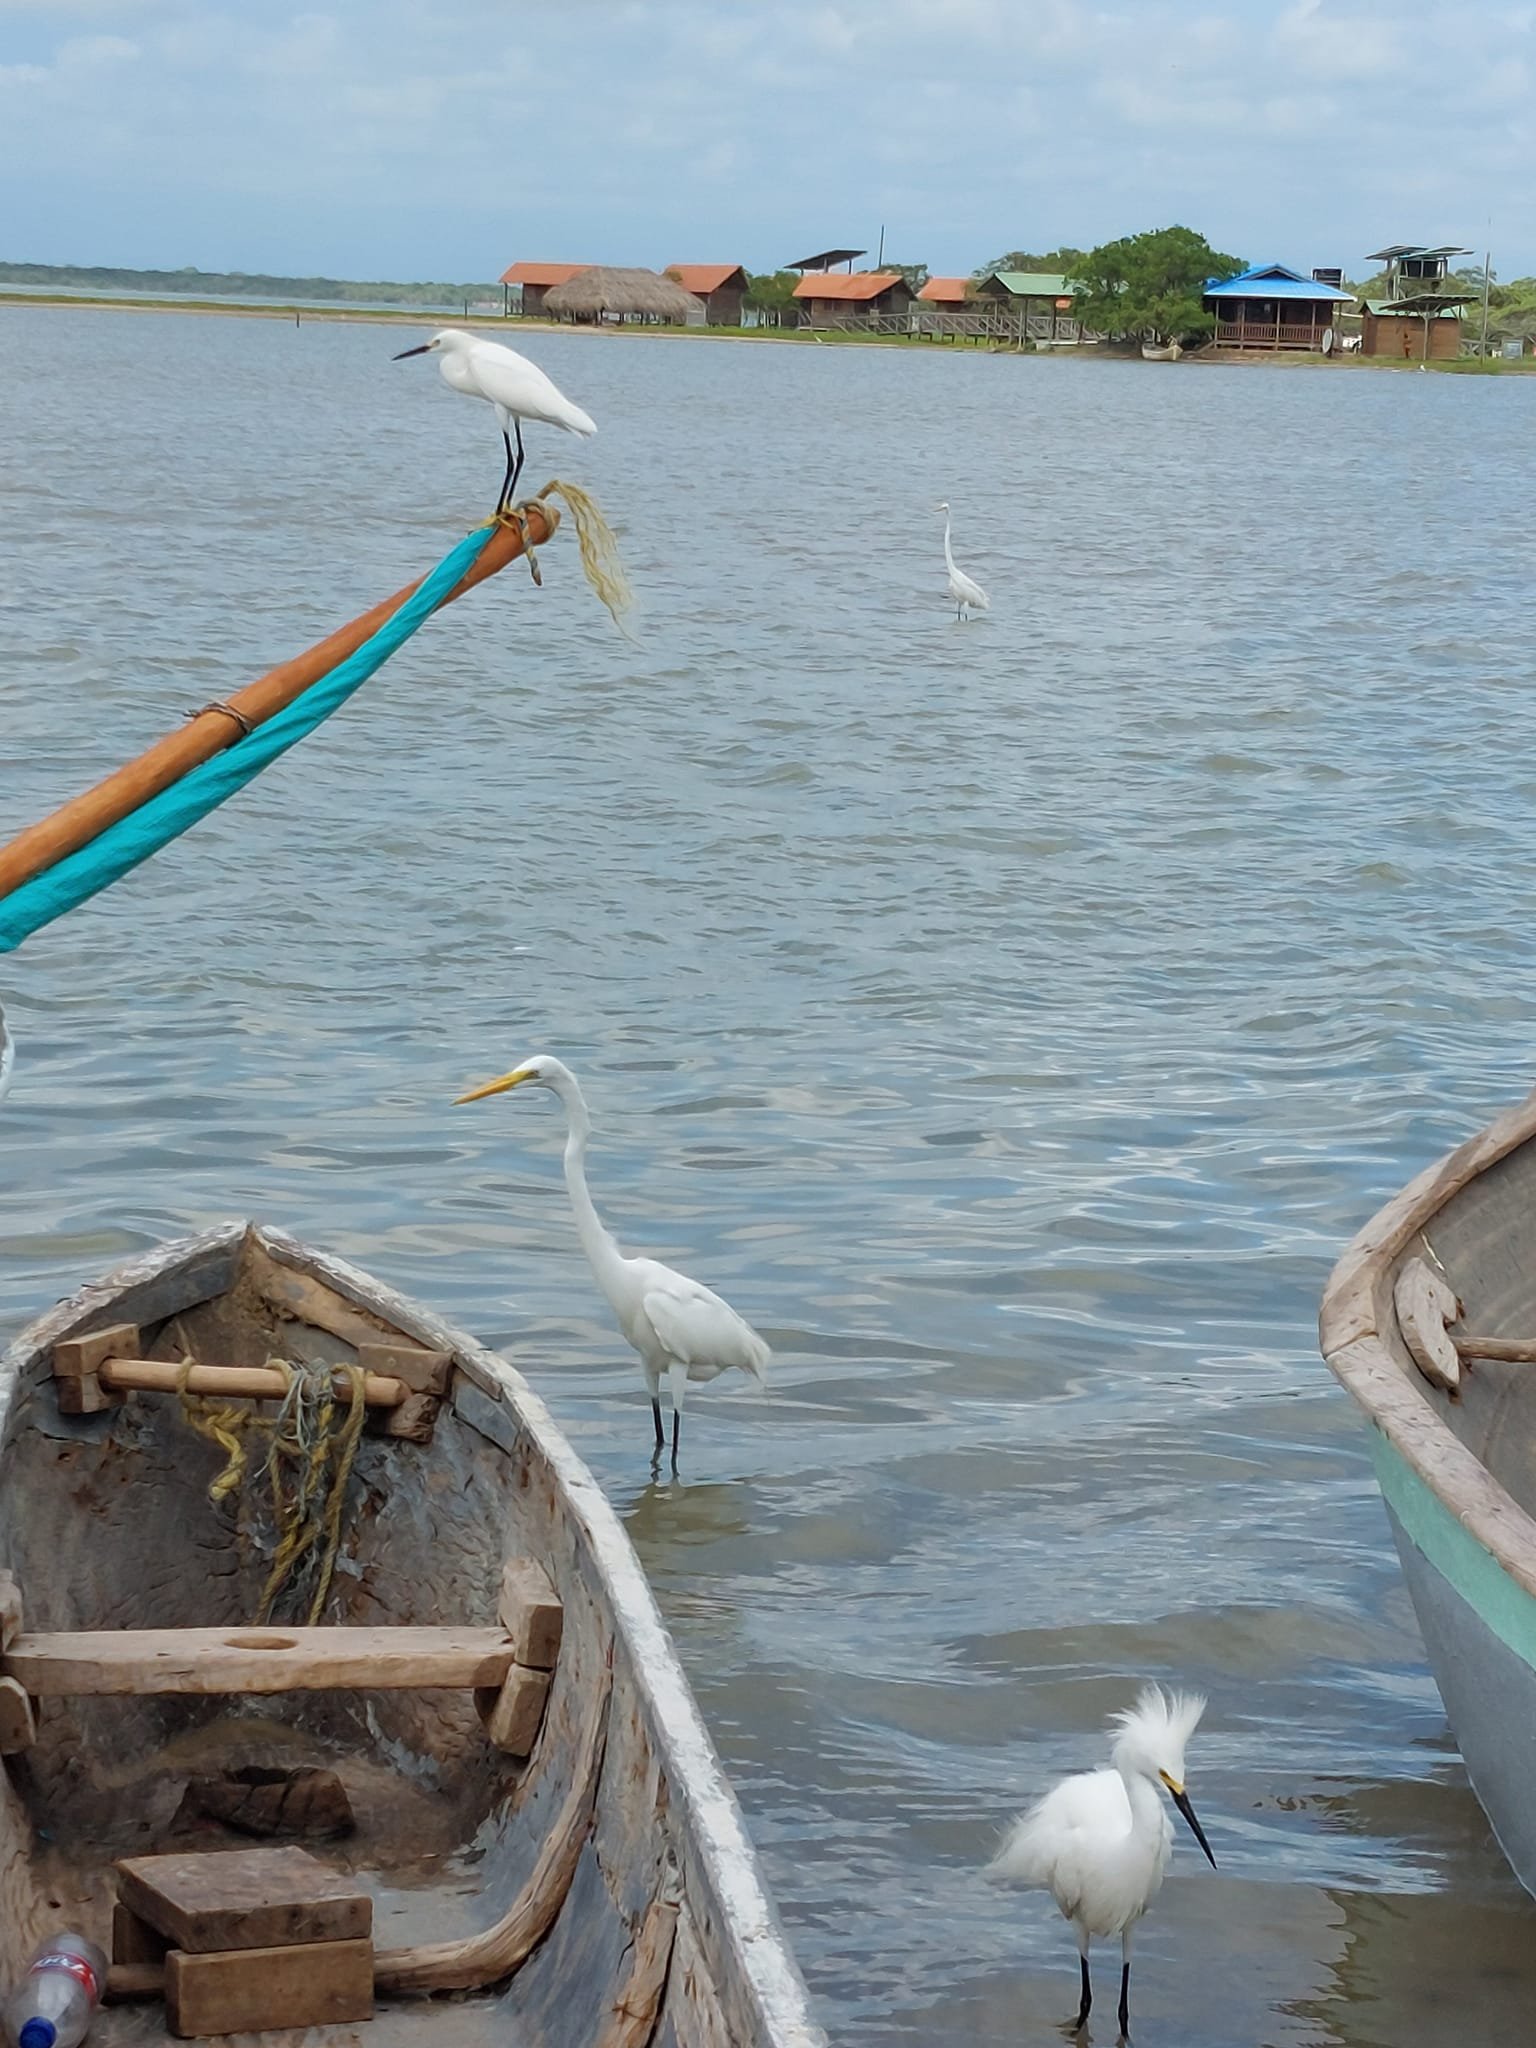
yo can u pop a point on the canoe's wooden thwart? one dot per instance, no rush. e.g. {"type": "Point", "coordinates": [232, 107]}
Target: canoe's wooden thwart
{"type": "Point", "coordinates": [95, 1372]}
{"type": "Point", "coordinates": [105, 1662]}
{"type": "Point", "coordinates": [1498, 1350]}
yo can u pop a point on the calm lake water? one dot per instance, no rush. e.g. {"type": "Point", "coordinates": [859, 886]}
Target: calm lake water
{"type": "Point", "coordinates": [1012, 1019]}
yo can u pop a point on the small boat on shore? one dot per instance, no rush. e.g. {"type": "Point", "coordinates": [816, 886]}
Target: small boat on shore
{"type": "Point", "coordinates": [1429, 1321]}
{"type": "Point", "coordinates": [391, 1714]}
{"type": "Point", "coordinates": [1157, 352]}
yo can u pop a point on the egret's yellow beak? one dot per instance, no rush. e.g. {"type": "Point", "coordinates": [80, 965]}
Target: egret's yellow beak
{"type": "Point", "coordinates": [1175, 1785]}
{"type": "Point", "coordinates": [496, 1087]}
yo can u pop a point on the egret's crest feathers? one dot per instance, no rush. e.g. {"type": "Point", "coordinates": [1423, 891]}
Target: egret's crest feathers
{"type": "Point", "coordinates": [1159, 1722]}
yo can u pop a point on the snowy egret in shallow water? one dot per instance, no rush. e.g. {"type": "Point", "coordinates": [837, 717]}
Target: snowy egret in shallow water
{"type": "Point", "coordinates": [962, 588]}
{"type": "Point", "coordinates": [680, 1329]}
{"type": "Point", "coordinates": [516, 388]}
{"type": "Point", "coordinates": [1100, 1842]}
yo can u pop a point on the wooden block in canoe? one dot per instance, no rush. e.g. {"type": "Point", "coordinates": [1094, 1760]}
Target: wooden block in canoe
{"type": "Point", "coordinates": [259, 1989]}
{"type": "Point", "coordinates": [18, 1719]}
{"type": "Point", "coordinates": [10, 1610]}
{"type": "Point", "coordinates": [205, 1902]}
{"type": "Point", "coordinates": [134, 1940]}
{"type": "Point", "coordinates": [529, 1609]}
{"type": "Point", "coordinates": [256, 1660]}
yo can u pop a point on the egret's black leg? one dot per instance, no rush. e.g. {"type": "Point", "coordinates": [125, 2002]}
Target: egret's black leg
{"type": "Point", "coordinates": [506, 481]}
{"type": "Point", "coordinates": [661, 1435]}
{"type": "Point", "coordinates": [1125, 1998]}
{"type": "Point", "coordinates": [677, 1431]}
{"type": "Point", "coordinates": [517, 428]}
{"type": "Point", "coordinates": [1087, 2005]}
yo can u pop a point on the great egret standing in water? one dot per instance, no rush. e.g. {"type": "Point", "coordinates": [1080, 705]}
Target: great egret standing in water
{"type": "Point", "coordinates": [517, 389]}
{"type": "Point", "coordinates": [962, 588]}
{"type": "Point", "coordinates": [1100, 1842]}
{"type": "Point", "coordinates": [681, 1330]}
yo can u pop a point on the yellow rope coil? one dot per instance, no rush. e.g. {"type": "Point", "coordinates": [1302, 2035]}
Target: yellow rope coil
{"type": "Point", "coordinates": [308, 1464]}
{"type": "Point", "coordinates": [224, 1426]}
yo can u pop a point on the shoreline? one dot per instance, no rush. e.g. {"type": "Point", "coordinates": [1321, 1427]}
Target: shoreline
{"type": "Point", "coordinates": [374, 316]}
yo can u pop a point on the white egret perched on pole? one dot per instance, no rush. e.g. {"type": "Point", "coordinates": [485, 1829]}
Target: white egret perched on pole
{"type": "Point", "coordinates": [681, 1330]}
{"type": "Point", "coordinates": [517, 390]}
{"type": "Point", "coordinates": [1100, 1842]}
{"type": "Point", "coordinates": [965, 590]}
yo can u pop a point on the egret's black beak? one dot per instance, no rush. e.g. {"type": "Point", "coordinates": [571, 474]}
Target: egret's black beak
{"type": "Point", "coordinates": [412, 352]}
{"type": "Point", "coordinates": [1181, 1801]}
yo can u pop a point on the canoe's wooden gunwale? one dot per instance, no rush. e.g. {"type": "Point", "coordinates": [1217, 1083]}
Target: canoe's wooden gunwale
{"type": "Point", "coordinates": [1357, 1310]}
{"type": "Point", "coordinates": [726, 1913]}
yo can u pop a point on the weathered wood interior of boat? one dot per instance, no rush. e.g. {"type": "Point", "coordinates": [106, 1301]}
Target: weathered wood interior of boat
{"type": "Point", "coordinates": [1447, 1268]}
{"type": "Point", "coordinates": [619, 1828]}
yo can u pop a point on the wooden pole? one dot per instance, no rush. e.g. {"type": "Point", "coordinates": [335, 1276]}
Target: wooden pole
{"type": "Point", "coordinates": [83, 818]}
{"type": "Point", "coordinates": [234, 1382]}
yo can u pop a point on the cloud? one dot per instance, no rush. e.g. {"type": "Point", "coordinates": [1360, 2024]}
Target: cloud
{"type": "Point", "coordinates": [378, 137]}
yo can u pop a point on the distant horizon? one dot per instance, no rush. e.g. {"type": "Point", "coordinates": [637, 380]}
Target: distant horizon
{"type": "Point", "coordinates": [376, 141]}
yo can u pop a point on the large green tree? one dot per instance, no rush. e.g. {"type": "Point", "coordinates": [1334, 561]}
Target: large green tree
{"type": "Point", "coordinates": [1055, 263]}
{"type": "Point", "coordinates": [1148, 287]}
{"type": "Point", "coordinates": [771, 288]}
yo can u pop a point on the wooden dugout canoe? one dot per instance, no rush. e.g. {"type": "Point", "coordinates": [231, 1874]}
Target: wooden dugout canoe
{"type": "Point", "coordinates": [600, 1891]}
{"type": "Point", "coordinates": [1440, 1278]}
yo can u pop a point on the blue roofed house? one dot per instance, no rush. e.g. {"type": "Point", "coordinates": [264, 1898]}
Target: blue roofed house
{"type": "Point", "coordinates": [1270, 307]}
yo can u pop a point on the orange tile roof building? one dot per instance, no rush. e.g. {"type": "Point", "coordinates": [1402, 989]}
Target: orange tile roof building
{"type": "Point", "coordinates": [867, 298]}
{"type": "Point", "coordinates": [945, 294]}
{"type": "Point", "coordinates": [722, 287]}
{"type": "Point", "coordinates": [535, 279]}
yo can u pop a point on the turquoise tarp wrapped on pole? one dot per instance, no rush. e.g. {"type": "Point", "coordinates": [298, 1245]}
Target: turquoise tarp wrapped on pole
{"type": "Point", "coordinates": [113, 853]}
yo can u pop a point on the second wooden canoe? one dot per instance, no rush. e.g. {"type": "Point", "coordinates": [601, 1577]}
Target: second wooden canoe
{"type": "Point", "coordinates": [1438, 1280]}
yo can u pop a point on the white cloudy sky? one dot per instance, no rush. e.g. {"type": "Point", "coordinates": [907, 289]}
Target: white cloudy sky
{"type": "Point", "coordinates": [445, 138]}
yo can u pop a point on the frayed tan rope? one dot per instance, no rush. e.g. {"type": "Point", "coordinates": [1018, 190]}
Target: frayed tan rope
{"type": "Point", "coordinates": [599, 549]}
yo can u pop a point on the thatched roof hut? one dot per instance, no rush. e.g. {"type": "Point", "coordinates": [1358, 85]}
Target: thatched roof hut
{"type": "Point", "coordinates": [601, 294]}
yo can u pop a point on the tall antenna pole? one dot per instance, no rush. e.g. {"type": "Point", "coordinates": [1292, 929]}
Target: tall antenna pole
{"type": "Point", "coordinates": [1487, 280]}
{"type": "Point", "coordinates": [880, 259]}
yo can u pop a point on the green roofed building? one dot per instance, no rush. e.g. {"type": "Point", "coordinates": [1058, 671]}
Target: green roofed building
{"type": "Point", "coordinates": [1041, 301]}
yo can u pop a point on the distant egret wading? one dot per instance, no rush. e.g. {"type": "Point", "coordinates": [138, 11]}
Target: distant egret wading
{"type": "Point", "coordinates": [1100, 1842]}
{"type": "Point", "coordinates": [681, 1330]}
{"type": "Point", "coordinates": [965, 590]}
{"type": "Point", "coordinates": [517, 390]}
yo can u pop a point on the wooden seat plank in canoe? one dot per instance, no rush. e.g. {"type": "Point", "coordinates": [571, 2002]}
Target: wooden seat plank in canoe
{"type": "Point", "coordinates": [99, 1662]}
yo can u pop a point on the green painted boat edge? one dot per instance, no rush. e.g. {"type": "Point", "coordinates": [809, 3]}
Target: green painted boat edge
{"type": "Point", "coordinates": [1455, 1553]}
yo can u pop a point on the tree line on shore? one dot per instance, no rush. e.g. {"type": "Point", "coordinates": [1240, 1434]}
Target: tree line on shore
{"type": "Point", "coordinates": [1151, 285]}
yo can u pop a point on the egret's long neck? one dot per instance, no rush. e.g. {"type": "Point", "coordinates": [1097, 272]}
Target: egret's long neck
{"type": "Point", "coordinates": [603, 1255]}
{"type": "Point", "coordinates": [949, 559]}
{"type": "Point", "coordinates": [1146, 1801]}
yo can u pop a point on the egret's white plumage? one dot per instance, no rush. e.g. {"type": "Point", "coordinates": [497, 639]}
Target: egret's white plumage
{"type": "Point", "coordinates": [966, 592]}
{"type": "Point", "coordinates": [682, 1330]}
{"type": "Point", "coordinates": [515, 388]}
{"type": "Point", "coordinates": [1100, 1842]}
